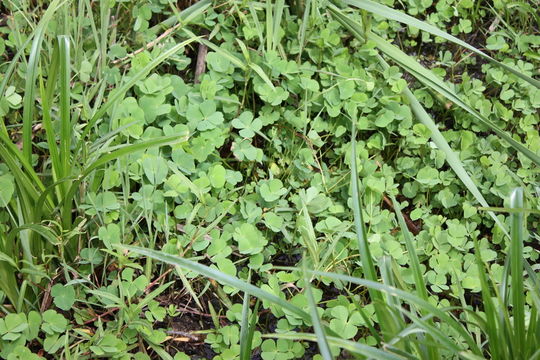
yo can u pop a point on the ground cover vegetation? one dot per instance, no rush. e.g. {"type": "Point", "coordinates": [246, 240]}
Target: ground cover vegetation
{"type": "Point", "coordinates": [272, 180]}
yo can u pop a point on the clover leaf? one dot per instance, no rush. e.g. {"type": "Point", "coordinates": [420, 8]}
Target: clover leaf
{"type": "Point", "coordinates": [345, 323]}
{"type": "Point", "coordinates": [154, 106]}
{"type": "Point", "coordinates": [217, 175]}
{"type": "Point", "coordinates": [53, 322]}
{"type": "Point", "coordinates": [155, 168]}
{"type": "Point", "coordinates": [219, 63]}
{"type": "Point", "coordinates": [273, 96]}
{"type": "Point", "coordinates": [247, 124]}
{"type": "Point", "coordinates": [271, 190]}
{"type": "Point", "coordinates": [155, 84]}
{"type": "Point", "coordinates": [243, 150]}
{"type": "Point", "coordinates": [12, 326]}
{"type": "Point", "coordinates": [204, 115]}
{"type": "Point", "coordinates": [64, 296]}
{"type": "Point", "coordinates": [250, 240]}
{"type": "Point", "coordinates": [428, 176]}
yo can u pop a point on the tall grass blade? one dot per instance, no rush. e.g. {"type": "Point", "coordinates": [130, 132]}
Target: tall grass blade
{"type": "Point", "coordinates": [269, 25]}
{"type": "Point", "coordinates": [351, 346]}
{"type": "Point", "coordinates": [385, 319]}
{"type": "Point", "coordinates": [46, 102]}
{"type": "Point", "coordinates": [245, 342]}
{"type": "Point", "coordinates": [414, 263]}
{"type": "Point", "coordinates": [516, 272]}
{"type": "Point", "coordinates": [302, 32]}
{"type": "Point", "coordinates": [429, 79]}
{"type": "Point", "coordinates": [412, 299]}
{"type": "Point", "coordinates": [492, 329]}
{"type": "Point", "coordinates": [65, 108]}
{"type": "Point", "coordinates": [322, 341]}
{"type": "Point", "coordinates": [30, 82]}
{"type": "Point", "coordinates": [278, 14]}
{"type": "Point", "coordinates": [421, 290]}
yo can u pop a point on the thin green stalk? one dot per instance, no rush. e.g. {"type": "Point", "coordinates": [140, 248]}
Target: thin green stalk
{"type": "Point", "coordinates": [65, 110]}
{"type": "Point", "coordinates": [31, 74]}
{"type": "Point", "coordinates": [516, 272]}
{"type": "Point", "coordinates": [385, 319]}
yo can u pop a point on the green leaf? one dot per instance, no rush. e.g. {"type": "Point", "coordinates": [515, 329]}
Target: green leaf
{"type": "Point", "coordinates": [7, 188]}
{"type": "Point", "coordinates": [64, 296]}
{"type": "Point", "coordinates": [217, 175]}
{"type": "Point", "coordinates": [271, 190]}
{"type": "Point", "coordinates": [428, 176]}
{"type": "Point", "coordinates": [155, 168]}
{"type": "Point", "coordinates": [247, 125]}
{"type": "Point", "coordinates": [250, 240]}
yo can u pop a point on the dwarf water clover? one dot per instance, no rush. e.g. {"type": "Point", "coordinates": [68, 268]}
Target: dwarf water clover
{"type": "Point", "coordinates": [155, 168]}
{"type": "Point", "coordinates": [204, 116]}
{"type": "Point", "coordinates": [250, 240]}
{"type": "Point", "coordinates": [217, 176]}
{"type": "Point", "coordinates": [64, 296]}
{"type": "Point", "coordinates": [272, 190]}
{"type": "Point", "coordinates": [244, 150]}
{"type": "Point", "coordinates": [247, 125]}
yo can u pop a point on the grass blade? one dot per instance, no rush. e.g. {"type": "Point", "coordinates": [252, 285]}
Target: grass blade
{"type": "Point", "coordinates": [245, 344]}
{"type": "Point", "coordinates": [351, 346]}
{"type": "Point", "coordinates": [385, 319]}
{"type": "Point", "coordinates": [516, 271]}
{"type": "Point", "coordinates": [65, 123]}
{"type": "Point", "coordinates": [278, 14]}
{"type": "Point", "coordinates": [428, 78]}
{"type": "Point", "coordinates": [324, 349]}
{"type": "Point", "coordinates": [489, 308]}
{"type": "Point", "coordinates": [411, 298]}
{"type": "Point", "coordinates": [421, 290]}
{"type": "Point", "coordinates": [31, 74]}
{"type": "Point", "coordinates": [247, 328]}
{"type": "Point", "coordinates": [46, 102]}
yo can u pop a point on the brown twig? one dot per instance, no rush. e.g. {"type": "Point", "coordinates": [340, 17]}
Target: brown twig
{"type": "Point", "coordinates": [200, 66]}
{"type": "Point", "coordinates": [108, 312]}
{"type": "Point", "coordinates": [410, 224]}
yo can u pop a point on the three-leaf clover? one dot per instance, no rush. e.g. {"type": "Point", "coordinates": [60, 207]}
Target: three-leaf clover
{"type": "Point", "coordinates": [155, 168]}
{"type": "Point", "coordinates": [271, 190]}
{"type": "Point", "coordinates": [53, 322]}
{"type": "Point", "coordinates": [247, 125]}
{"type": "Point", "coordinates": [345, 323]}
{"type": "Point", "coordinates": [204, 115]}
{"type": "Point", "coordinates": [243, 150]}
{"type": "Point", "coordinates": [12, 326]}
{"type": "Point", "coordinates": [250, 240]}
{"type": "Point", "coordinates": [272, 96]}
